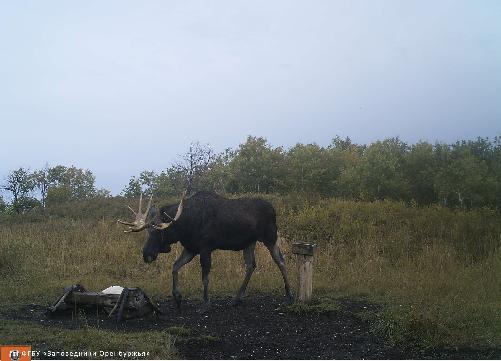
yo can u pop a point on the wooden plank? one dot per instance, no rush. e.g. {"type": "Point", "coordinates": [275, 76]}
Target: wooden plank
{"type": "Point", "coordinates": [92, 298]}
{"type": "Point", "coordinates": [58, 304]}
{"type": "Point", "coordinates": [132, 302]}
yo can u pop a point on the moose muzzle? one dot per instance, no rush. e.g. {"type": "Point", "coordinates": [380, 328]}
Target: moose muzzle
{"type": "Point", "coordinates": [148, 258]}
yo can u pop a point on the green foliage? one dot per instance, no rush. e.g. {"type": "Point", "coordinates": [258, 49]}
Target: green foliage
{"type": "Point", "coordinates": [25, 204]}
{"type": "Point", "coordinates": [32, 192]}
{"type": "Point", "coordinates": [69, 183]}
{"type": "Point", "coordinates": [466, 174]}
{"type": "Point", "coordinates": [320, 306]}
{"type": "Point", "coordinates": [219, 175]}
{"type": "Point", "coordinates": [420, 169]}
{"type": "Point", "coordinates": [312, 169]}
{"type": "Point", "coordinates": [42, 183]}
{"type": "Point", "coordinates": [147, 179]}
{"type": "Point", "coordinates": [465, 180]}
{"type": "Point", "coordinates": [20, 183]}
{"type": "Point", "coordinates": [133, 189]}
{"type": "Point", "coordinates": [257, 167]}
{"type": "Point", "coordinates": [381, 170]}
{"type": "Point", "coordinates": [102, 193]}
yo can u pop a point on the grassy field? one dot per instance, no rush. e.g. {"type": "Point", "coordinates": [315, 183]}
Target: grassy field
{"type": "Point", "coordinates": [153, 344]}
{"type": "Point", "coordinates": [436, 271]}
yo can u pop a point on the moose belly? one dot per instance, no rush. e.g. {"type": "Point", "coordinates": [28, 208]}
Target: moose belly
{"type": "Point", "coordinates": [235, 242]}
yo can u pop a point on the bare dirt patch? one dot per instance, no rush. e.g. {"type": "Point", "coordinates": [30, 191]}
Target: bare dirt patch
{"type": "Point", "coordinates": [258, 329]}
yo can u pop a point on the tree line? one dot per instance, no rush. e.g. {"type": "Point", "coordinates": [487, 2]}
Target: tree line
{"type": "Point", "coordinates": [466, 173]}
{"type": "Point", "coordinates": [463, 174]}
{"type": "Point", "coordinates": [50, 185]}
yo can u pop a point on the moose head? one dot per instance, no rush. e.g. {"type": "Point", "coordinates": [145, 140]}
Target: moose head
{"type": "Point", "coordinates": [160, 235]}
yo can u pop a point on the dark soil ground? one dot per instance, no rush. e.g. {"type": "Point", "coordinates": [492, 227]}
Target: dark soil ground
{"type": "Point", "coordinates": [261, 329]}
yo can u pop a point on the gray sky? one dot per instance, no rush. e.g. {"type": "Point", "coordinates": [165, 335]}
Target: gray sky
{"type": "Point", "coordinates": [124, 86]}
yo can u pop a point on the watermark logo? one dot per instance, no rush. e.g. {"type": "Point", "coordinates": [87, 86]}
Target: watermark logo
{"type": "Point", "coordinates": [15, 353]}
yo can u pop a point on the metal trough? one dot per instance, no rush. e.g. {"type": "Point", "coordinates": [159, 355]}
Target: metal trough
{"type": "Point", "coordinates": [124, 302]}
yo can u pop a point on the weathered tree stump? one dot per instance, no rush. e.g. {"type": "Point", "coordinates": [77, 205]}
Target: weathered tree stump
{"type": "Point", "coordinates": [304, 253]}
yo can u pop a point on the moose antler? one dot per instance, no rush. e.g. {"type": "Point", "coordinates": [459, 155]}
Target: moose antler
{"type": "Point", "coordinates": [161, 226]}
{"type": "Point", "coordinates": [140, 222]}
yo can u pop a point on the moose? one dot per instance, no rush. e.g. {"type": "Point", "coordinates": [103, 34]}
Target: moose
{"type": "Point", "coordinates": [206, 222]}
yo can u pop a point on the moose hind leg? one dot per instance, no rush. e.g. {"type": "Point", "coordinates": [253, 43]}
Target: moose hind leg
{"type": "Point", "coordinates": [250, 266]}
{"type": "Point", "coordinates": [205, 262]}
{"type": "Point", "coordinates": [278, 257]}
{"type": "Point", "coordinates": [183, 259]}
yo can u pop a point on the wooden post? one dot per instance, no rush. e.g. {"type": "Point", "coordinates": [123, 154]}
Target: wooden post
{"type": "Point", "coordinates": [304, 253]}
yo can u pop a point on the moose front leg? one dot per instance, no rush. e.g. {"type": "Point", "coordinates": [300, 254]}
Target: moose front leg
{"type": "Point", "coordinates": [183, 259]}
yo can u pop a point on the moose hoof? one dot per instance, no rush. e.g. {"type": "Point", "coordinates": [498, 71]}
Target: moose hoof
{"type": "Point", "coordinates": [288, 300]}
{"type": "Point", "coordinates": [236, 301]}
{"type": "Point", "coordinates": [178, 298]}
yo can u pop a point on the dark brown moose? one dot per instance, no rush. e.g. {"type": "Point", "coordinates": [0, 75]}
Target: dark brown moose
{"type": "Point", "coordinates": [206, 222]}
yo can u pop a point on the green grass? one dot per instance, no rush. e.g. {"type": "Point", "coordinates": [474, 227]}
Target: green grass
{"type": "Point", "coordinates": [319, 306]}
{"type": "Point", "coordinates": [179, 331]}
{"type": "Point", "coordinates": [434, 270]}
{"type": "Point", "coordinates": [153, 344]}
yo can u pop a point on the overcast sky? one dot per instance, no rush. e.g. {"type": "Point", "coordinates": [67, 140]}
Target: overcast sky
{"type": "Point", "coordinates": [124, 86]}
